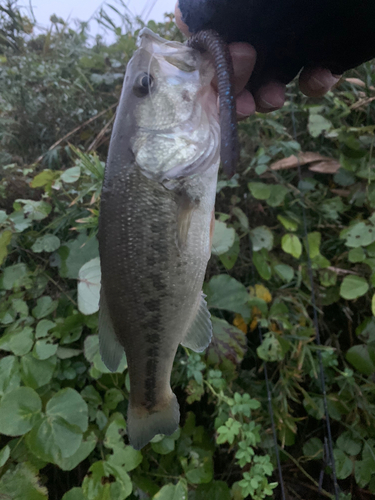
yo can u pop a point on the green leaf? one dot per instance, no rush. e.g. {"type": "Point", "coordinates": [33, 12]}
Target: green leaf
{"type": "Point", "coordinates": [363, 471]}
{"type": "Point", "coordinates": [229, 258]}
{"type": "Point", "coordinates": [19, 222]}
{"type": "Point", "coordinates": [353, 287]}
{"type": "Point", "coordinates": [35, 210]}
{"type": "Point", "coordinates": [344, 178]}
{"type": "Point", "coordinates": [4, 455]}
{"type": "Point", "coordinates": [313, 449]}
{"type": "Point", "coordinates": [359, 357]}
{"type": "Point", "coordinates": [289, 224]}
{"type": "Point", "coordinates": [227, 433]}
{"type": "Point", "coordinates": [223, 238]}
{"type": "Point", "coordinates": [224, 292]}
{"type": "Point", "coordinates": [199, 467]}
{"type": "Point", "coordinates": [262, 265]}
{"type": "Point", "coordinates": [277, 196]}
{"type": "Point", "coordinates": [3, 216]}
{"type": "Point", "coordinates": [173, 491]}
{"type": "Point", "coordinates": [71, 174]}
{"type": "Point", "coordinates": [318, 124]}
{"type": "Point", "coordinates": [45, 178]}
{"type": "Point", "coordinates": [270, 349]}
{"type": "Point", "coordinates": [46, 243]}
{"type": "Point", "coordinates": [19, 411]}
{"type": "Point", "coordinates": [358, 235]}
{"type": "Point", "coordinates": [344, 466]}
{"type": "Point", "coordinates": [86, 447]}
{"type": "Point", "coordinates": [259, 190]}
{"type": "Point", "coordinates": [125, 457]}
{"type": "Point", "coordinates": [313, 240]}
{"type": "Point", "coordinates": [285, 272]}
{"type": "Point", "coordinates": [291, 244]}
{"type": "Point", "coordinates": [215, 490]}
{"type": "Point", "coordinates": [74, 494]}
{"type": "Point", "coordinates": [74, 254]}
{"type": "Point", "coordinates": [43, 349]}
{"type": "Point", "coordinates": [43, 327]}
{"type": "Point", "coordinates": [164, 445]}
{"type": "Point", "coordinates": [242, 217]}
{"type": "Point", "coordinates": [44, 306]}
{"type": "Point", "coordinates": [261, 237]}
{"type": "Point", "coordinates": [229, 344]}
{"type": "Point", "coordinates": [54, 439]}
{"type": "Point", "coordinates": [99, 484]}
{"type": "Point", "coordinates": [36, 372]}
{"type": "Point", "coordinates": [89, 277]}
{"type": "Point", "coordinates": [112, 398]}
{"type": "Point", "coordinates": [347, 443]}
{"type": "Point", "coordinates": [328, 277]}
{"type": "Point", "coordinates": [15, 276]}
{"type": "Point", "coordinates": [231, 183]}
{"type": "Point", "coordinates": [70, 406]}
{"type": "Point", "coordinates": [10, 376]}
{"type": "Point", "coordinates": [22, 483]}
{"type": "Point", "coordinates": [5, 238]}
{"type": "Point", "coordinates": [356, 255]}
{"type": "Point", "coordinates": [18, 341]}
{"type": "Point", "coordinates": [115, 432]}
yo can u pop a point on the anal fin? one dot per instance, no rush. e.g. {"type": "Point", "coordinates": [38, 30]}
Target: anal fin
{"type": "Point", "coordinates": [110, 348]}
{"type": "Point", "coordinates": [199, 335]}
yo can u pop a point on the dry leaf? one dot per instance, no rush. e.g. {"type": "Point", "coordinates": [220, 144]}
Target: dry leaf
{"type": "Point", "coordinates": [357, 81]}
{"type": "Point", "coordinates": [303, 159]}
{"type": "Point", "coordinates": [341, 192]}
{"type": "Point", "coordinates": [325, 167]}
{"type": "Point", "coordinates": [362, 102]}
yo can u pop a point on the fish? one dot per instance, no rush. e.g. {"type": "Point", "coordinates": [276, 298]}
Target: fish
{"type": "Point", "coordinates": [156, 223]}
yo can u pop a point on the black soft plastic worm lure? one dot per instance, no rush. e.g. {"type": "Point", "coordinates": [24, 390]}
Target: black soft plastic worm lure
{"type": "Point", "coordinates": [210, 41]}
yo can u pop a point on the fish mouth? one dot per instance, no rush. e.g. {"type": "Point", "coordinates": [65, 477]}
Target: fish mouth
{"type": "Point", "coordinates": [160, 45]}
{"type": "Point", "coordinates": [179, 55]}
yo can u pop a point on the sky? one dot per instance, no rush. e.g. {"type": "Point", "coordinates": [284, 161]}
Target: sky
{"type": "Point", "coordinates": [85, 9]}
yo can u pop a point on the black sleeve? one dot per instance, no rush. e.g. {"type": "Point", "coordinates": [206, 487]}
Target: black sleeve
{"type": "Point", "coordinates": [291, 34]}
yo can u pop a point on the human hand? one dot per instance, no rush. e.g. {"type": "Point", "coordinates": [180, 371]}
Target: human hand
{"type": "Point", "coordinates": [313, 82]}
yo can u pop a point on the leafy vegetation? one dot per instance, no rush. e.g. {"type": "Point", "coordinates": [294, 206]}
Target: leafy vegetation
{"type": "Point", "coordinates": [62, 426]}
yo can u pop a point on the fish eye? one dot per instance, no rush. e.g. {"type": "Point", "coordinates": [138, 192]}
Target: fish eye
{"type": "Point", "coordinates": [143, 84]}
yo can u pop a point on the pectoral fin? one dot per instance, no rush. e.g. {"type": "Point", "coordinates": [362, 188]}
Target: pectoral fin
{"type": "Point", "coordinates": [199, 334]}
{"type": "Point", "coordinates": [110, 348]}
{"type": "Point", "coordinates": [184, 214]}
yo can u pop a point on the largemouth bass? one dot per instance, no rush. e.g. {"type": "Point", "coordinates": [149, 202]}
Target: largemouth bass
{"type": "Point", "coordinates": [156, 222]}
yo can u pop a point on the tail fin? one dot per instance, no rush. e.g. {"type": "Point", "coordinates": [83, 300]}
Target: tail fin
{"type": "Point", "coordinates": [142, 429]}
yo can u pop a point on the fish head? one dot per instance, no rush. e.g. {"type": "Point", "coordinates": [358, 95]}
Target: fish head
{"type": "Point", "coordinates": [167, 117]}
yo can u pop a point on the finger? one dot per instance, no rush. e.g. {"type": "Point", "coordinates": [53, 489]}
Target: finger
{"type": "Point", "coordinates": [270, 97]}
{"type": "Point", "coordinates": [315, 82]}
{"type": "Point", "coordinates": [179, 22]}
{"type": "Point", "coordinates": [245, 105]}
{"type": "Point", "coordinates": [243, 58]}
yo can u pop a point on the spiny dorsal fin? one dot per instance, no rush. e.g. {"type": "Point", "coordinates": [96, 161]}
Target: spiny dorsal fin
{"type": "Point", "coordinates": [199, 334]}
{"type": "Point", "coordinates": [110, 348]}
